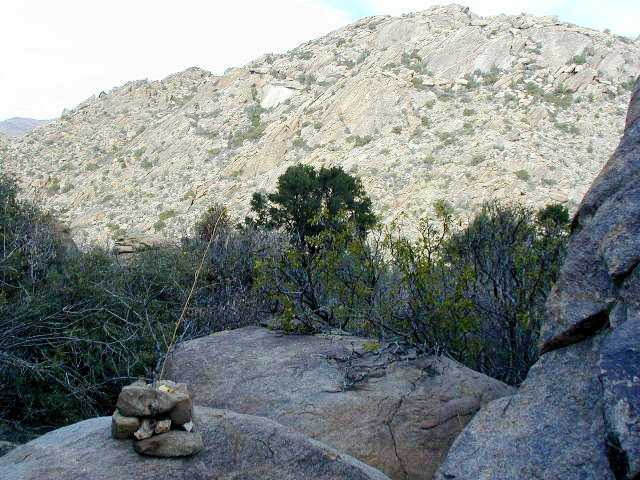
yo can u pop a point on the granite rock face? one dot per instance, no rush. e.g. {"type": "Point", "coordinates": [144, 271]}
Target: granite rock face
{"type": "Point", "coordinates": [577, 415]}
{"type": "Point", "coordinates": [235, 446]}
{"type": "Point", "coordinates": [398, 413]}
{"type": "Point", "coordinates": [552, 428]}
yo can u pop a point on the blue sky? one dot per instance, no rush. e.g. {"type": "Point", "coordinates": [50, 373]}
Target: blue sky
{"type": "Point", "coordinates": [55, 54]}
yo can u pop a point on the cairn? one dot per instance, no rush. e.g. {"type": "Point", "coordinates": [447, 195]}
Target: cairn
{"type": "Point", "coordinates": [159, 419]}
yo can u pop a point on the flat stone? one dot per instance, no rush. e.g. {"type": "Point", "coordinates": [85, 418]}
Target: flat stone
{"type": "Point", "coordinates": [182, 411]}
{"type": "Point", "coordinates": [171, 444]}
{"type": "Point", "coordinates": [143, 401]}
{"type": "Point", "coordinates": [122, 426]}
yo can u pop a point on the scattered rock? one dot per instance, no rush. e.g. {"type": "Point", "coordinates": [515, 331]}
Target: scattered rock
{"type": "Point", "coordinates": [170, 444]}
{"type": "Point", "coordinates": [235, 446]}
{"type": "Point", "coordinates": [395, 412]}
{"type": "Point", "coordinates": [147, 144]}
{"type": "Point", "coordinates": [137, 242]}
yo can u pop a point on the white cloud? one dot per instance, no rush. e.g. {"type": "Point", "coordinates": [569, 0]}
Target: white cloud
{"type": "Point", "coordinates": [56, 54]}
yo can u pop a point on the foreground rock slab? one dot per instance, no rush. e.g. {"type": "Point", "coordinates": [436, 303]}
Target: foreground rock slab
{"type": "Point", "coordinates": [553, 428]}
{"type": "Point", "coordinates": [393, 411]}
{"type": "Point", "coordinates": [236, 446]}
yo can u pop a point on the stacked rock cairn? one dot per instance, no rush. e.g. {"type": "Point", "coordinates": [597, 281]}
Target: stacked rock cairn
{"type": "Point", "coordinates": [158, 417]}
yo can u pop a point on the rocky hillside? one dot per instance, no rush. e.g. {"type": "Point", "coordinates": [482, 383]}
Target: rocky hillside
{"type": "Point", "coordinates": [16, 126]}
{"type": "Point", "coordinates": [441, 104]}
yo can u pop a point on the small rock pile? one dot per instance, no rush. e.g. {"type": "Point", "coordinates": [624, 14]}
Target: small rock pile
{"type": "Point", "coordinates": [158, 417]}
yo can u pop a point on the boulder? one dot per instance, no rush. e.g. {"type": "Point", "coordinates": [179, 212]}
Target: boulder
{"type": "Point", "coordinates": [235, 446]}
{"type": "Point", "coordinates": [577, 415]}
{"type": "Point", "coordinates": [384, 406]}
{"type": "Point", "coordinates": [552, 428]}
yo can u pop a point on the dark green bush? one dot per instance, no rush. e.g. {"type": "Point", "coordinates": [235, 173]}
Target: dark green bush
{"type": "Point", "coordinates": [75, 328]}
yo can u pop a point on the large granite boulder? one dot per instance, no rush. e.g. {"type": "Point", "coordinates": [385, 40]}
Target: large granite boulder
{"type": "Point", "coordinates": [384, 406]}
{"type": "Point", "coordinates": [577, 415]}
{"type": "Point", "coordinates": [236, 447]}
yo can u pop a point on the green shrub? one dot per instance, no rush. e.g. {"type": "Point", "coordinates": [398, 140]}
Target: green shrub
{"type": "Point", "coordinates": [75, 327]}
{"type": "Point", "coordinates": [360, 141]}
{"type": "Point", "coordinates": [522, 175]}
{"type": "Point", "coordinates": [443, 208]}
{"type": "Point", "coordinates": [577, 60]}
{"type": "Point", "coordinates": [299, 142]}
{"type": "Point", "coordinates": [215, 220]}
{"type": "Point", "coordinates": [166, 215]}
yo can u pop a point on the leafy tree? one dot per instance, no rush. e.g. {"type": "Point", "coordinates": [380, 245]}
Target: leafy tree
{"type": "Point", "coordinates": [308, 202]}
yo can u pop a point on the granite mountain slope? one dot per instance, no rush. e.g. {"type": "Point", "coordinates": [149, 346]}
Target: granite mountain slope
{"type": "Point", "coordinates": [431, 105]}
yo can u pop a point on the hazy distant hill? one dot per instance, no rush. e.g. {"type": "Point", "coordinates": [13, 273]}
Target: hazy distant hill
{"type": "Point", "coordinates": [441, 104]}
{"type": "Point", "coordinates": [17, 126]}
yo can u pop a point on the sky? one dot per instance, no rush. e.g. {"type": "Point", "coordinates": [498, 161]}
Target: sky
{"type": "Point", "coordinates": [55, 54]}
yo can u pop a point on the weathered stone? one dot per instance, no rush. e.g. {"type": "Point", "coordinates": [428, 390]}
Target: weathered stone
{"type": "Point", "coordinates": [123, 427]}
{"type": "Point", "coordinates": [146, 429]}
{"type": "Point", "coordinates": [235, 447]}
{"type": "Point", "coordinates": [620, 373]}
{"type": "Point", "coordinates": [181, 412]}
{"type": "Point", "coordinates": [552, 428]}
{"type": "Point", "coordinates": [144, 401]}
{"type": "Point", "coordinates": [162, 426]}
{"type": "Point", "coordinates": [397, 413]}
{"type": "Point", "coordinates": [170, 444]}
{"type": "Point", "coordinates": [634, 105]}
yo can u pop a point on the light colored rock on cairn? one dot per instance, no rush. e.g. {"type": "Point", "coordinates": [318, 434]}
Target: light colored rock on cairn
{"type": "Point", "coordinates": [158, 418]}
